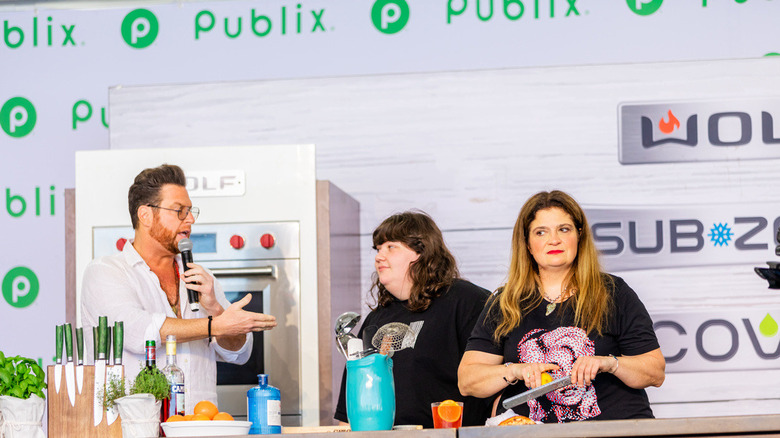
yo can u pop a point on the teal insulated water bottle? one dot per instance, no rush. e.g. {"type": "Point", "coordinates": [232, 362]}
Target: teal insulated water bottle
{"type": "Point", "coordinates": [264, 407]}
{"type": "Point", "coordinates": [370, 393]}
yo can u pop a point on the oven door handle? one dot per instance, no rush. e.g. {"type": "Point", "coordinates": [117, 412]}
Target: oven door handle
{"type": "Point", "coordinates": [264, 271]}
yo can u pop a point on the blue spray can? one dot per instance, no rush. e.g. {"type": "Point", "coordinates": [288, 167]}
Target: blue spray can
{"type": "Point", "coordinates": [264, 407]}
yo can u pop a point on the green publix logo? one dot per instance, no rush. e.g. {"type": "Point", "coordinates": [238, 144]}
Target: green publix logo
{"type": "Point", "coordinates": [20, 287]}
{"type": "Point", "coordinates": [17, 206]}
{"type": "Point", "coordinates": [286, 21]}
{"type": "Point", "coordinates": [37, 33]}
{"type": "Point", "coordinates": [644, 7]}
{"type": "Point", "coordinates": [18, 117]}
{"type": "Point", "coordinates": [140, 28]}
{"type": "Point", "coordinates": [390, 16]}
{"type": "Point", "coordinates": [512, 10]}
{"type": "Point", "coordinates": [649, 7]}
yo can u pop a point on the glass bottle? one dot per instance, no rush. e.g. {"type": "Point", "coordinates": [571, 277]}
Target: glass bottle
{"type": "Point", "coordinates": [151, 354]}
{"type": "Point", "coordinates": [174, 405]}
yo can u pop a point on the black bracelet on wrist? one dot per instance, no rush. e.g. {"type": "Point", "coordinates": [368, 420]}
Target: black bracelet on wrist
{"type": "Point", "coordinates": [210, 328]}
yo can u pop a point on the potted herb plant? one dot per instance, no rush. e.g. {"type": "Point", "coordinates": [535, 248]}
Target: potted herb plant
{"type": "Point", "coordinates": [139, 406]}
{"type": "Point", "coordinates": [22, 402]}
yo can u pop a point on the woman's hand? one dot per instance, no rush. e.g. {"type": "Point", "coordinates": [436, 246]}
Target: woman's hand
{"type": "Point", "coordinates": [586, 367]}
{"type": "Point", "coordinates": [531, 373]}
{"type": "Point", "coordinates": [637, 372]}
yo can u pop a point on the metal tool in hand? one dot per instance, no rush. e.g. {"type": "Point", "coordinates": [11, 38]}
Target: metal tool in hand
{"type": "Point", "coordinates": [390, 338]}
{"type": "Point", "coordinates": [536, 392]}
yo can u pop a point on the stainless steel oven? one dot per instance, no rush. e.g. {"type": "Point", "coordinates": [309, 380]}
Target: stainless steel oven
{"type": "Point", "coordinates": [261, 259]}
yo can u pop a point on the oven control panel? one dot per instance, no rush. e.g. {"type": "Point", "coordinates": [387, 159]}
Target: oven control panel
{"type": "Point", "coordinates": [216, 242]}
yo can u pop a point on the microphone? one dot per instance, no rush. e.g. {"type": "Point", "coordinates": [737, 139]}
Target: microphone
{"type": "Point", "coordinates": [185, 246]}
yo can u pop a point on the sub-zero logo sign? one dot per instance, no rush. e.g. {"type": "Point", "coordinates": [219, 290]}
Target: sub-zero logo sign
{"type": "Point", "coordinates": [719, 340]}
{"type": "Point", "coordinates": [706, 131]}
{"type": "Point", "coordinates": [630, 239]}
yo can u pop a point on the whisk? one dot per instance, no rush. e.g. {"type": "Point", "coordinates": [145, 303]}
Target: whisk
{"type": "Point", "coordinates": [392, 337]}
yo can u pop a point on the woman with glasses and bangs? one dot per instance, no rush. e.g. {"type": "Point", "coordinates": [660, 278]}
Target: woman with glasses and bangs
{"type": "Point", "coordinates": [417, 283]}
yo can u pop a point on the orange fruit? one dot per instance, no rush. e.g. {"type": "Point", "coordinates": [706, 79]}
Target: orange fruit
{"type": "Point", "coordinates": [449, 411]}
{"type": "Point", "coordinates": [173, 418]}
{"type": "Point", "coordinates": [206, 408]}
{"type": "Point", "coordinates": [546, 378]}
{"type": "Point", "coordinates": [223, 416]}
{"type": "Point", "coordinates": [200, 417]}
{"type": "Point", "coordinates": [188, 417]}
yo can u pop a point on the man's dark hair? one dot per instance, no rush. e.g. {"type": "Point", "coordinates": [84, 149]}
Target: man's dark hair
{"type": "Point", "coordinates": [146, 187]}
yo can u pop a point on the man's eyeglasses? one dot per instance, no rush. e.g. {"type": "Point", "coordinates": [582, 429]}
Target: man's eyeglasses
{"type": "Point", "coordinates": [182, 212]}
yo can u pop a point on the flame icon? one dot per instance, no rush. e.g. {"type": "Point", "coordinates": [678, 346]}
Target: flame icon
{"type": "Point", "coordinates": [671, 125]}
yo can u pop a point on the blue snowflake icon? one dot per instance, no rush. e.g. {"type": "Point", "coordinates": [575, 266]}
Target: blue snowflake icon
{"type": "Point", "coordinates": [720, 234]}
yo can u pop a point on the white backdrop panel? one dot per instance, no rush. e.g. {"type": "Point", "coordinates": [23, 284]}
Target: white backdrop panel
{"type": "Point", "coordinates": [469, 148]}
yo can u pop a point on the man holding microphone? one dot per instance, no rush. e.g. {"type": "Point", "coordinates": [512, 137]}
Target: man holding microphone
{"type": "Point", "coordinates": [146, 287]}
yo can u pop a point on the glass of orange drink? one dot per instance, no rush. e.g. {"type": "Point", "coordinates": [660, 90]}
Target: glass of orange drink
{"type": "Point", "coordinates": [447, 414]}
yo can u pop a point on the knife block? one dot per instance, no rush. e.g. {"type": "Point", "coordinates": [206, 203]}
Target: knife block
{"type": "Point", "coordinates": [76, 421]}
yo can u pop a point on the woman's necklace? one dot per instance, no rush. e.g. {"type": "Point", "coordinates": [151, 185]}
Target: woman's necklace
{"type": "Point", "coordinates": [552, 302]}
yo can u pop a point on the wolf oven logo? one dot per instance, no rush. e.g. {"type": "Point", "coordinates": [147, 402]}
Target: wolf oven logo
{"type": "Point", "coordinates": [698, 131]}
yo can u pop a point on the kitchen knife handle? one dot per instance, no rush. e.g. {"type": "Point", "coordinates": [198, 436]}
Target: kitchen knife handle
{"type": "Point", "coordinates": [68, 342]}
{"type": "Point", "coordinates": [108, 344]}
{"type": "Point", "coordinates": [80, 344]}
{"type": "Point", "coordinates": [102, 332]}
{"type": "Point", "coordinates": [95, 343]}
{"type": "Point", "coordinates": [58, 344]}
{"type": "Point", "coordinates": [119, 340]}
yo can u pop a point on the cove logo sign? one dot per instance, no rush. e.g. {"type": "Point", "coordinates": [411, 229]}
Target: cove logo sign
{"type": "Point", "coordinates": [140, 28]}
{"type": "Point", "coordinates": [719, 340]}
{"type": "Point", "coordinates": [390, 16]}
{"type": "Point", "coordinates": [20, 287]}
{"type": "Point", "coordinates": [644, 7]}
{"type": "Point", "coordinates": [18, 117]}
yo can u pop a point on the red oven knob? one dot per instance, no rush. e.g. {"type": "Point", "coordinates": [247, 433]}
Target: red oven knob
{"type": "Point", "coordinates": [237, 242]}
{"type": "Point", "coordinates": [120, 244]}
{"type": "Point", "coordinates": [267, 241]}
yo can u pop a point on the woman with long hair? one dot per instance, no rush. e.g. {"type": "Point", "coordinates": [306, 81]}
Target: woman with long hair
{"type": "Point", "coordinates": [417, 283]}
{"type": "Point", "coordinates": [559, 314]}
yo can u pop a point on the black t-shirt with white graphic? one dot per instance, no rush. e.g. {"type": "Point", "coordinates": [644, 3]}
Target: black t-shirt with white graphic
{"type": "Point", "coordinates": [554, 339]}
{"type": "Point", "coordinates": [428, 372]}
